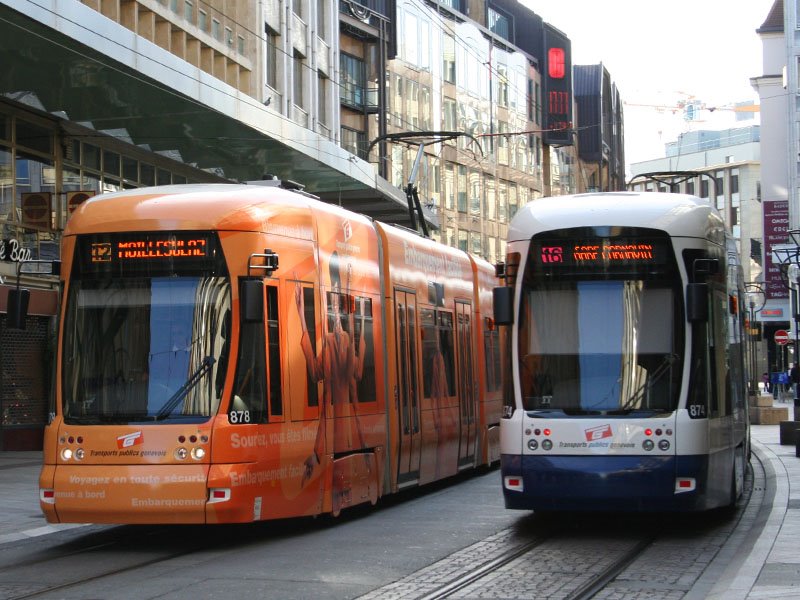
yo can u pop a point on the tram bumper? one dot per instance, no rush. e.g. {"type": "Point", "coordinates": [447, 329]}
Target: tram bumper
{"type": "Point", "coordinates": [124, 493]}
{"type": "Point", "coordinates": [603, 483]}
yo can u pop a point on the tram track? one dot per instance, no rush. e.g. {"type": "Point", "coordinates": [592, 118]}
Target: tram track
{"type": "Point", "coordinates": [471, 583]}
{"type": "Point", "coordinates": [562, 558]}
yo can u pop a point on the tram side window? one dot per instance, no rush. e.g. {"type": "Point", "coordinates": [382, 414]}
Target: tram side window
{"type": "Point", "coordinates": [363, 326]}
{"type": "Point", "coordinates": [250, 385]}
{"type": "Point", "coordinates": [273, 336]}
{"type": "Point", "coordinates": [437, 352]}
{"type": "Point", "coordinates": [309, 302]}
{"type": "Point", "coordinates": [491, 343]}
{"type": "Point", "coordinates": [430, 348]}
{"type": "Point", "coordinates": [719, 320]}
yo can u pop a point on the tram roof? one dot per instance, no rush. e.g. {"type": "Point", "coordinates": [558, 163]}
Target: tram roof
{"type": "Point", "coordinates": [204, 206]}
{"type": "Point", "coordinates": [676, 214]}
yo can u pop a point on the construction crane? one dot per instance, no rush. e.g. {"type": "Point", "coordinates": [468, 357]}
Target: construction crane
{"type": "Point", "coordinates": [691, 107]}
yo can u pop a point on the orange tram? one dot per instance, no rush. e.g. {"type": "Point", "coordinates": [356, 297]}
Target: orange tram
{"type": "Point", "coordinates": [235, 353]}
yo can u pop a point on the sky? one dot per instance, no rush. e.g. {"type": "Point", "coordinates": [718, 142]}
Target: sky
{"type": "Point", "coordinates": [660, 53]}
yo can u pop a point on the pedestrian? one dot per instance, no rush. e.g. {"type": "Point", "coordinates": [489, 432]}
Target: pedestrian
{"type": "Point", "coordinates": [765, 380]}
{"type": "Point", "coordinates": [794, 378]}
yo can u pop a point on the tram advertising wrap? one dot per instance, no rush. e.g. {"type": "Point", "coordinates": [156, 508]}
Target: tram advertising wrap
{"type": "Point", "coordinates": [625, 388]}
{"type": "Point", "coordinates": [235, 353]}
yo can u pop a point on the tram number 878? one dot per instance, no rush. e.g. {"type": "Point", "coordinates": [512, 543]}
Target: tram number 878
{"type": "Point", "coordinates": [239, 416]}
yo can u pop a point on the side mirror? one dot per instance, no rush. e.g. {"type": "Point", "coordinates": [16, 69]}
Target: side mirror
{"type": "Point", "coordinates": [697, 302]}
{"type": "Point", "coordinates": [251, 301]}
{"type": "Point", "coordinates": [503, 298]}
{"type": "Point", "coordinates": [17, 308]}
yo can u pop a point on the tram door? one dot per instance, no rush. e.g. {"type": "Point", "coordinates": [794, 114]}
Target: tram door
{"type": "Point", "coordinates": [407, 393]}
{"type": "Point", "coordinates": [467, 386]}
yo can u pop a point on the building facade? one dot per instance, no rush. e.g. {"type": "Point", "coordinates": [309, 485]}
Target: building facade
{"type": "Point", "coordinates": [468, 102]}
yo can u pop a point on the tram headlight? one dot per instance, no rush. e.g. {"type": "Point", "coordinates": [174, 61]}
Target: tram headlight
{"type": "Point", "coordinates": [663, 445]}
{"type": "Point", "coordinates": [181, 453]}
{"type": "Point", "coordinates": [79, 454]}
{"type": "Point", "coordinates": [66, 453]}
{"type": "Point", "coordinates": [648, 445]}
{"type": "Point", "coordinates": [547, 445]}
{"type": "Point", "coordinates": [533, 444]}
{"type": "Point", "coordinates": [198, 453]}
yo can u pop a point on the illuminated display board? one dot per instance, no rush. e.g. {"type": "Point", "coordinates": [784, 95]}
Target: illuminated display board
{"type": "Point", "coordinates": [135, 248]}
{"type": "Point", "coordinates": [600, 254]}
{"type": "Point", "coordinates": [167, 252]}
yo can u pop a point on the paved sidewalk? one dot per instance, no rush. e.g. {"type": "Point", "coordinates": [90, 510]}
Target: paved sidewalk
{"type": "Point", "coordinates": [764, 563]}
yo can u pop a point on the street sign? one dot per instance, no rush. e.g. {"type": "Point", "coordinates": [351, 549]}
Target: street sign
{"type": "Point", "coordinates": [781, 337]}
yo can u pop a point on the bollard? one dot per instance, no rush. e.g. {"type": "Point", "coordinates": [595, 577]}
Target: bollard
{"type": "Point", "coordinates": [797, 443]}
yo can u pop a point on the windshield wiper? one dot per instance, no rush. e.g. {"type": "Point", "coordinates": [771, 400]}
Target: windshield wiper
{"type": "Point", "coordinates": [180, 394]}
{"type": "Point", "coordinates": [663, 368]}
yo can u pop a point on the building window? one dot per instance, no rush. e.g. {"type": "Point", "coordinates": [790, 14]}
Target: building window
{"type": "Point", "coordinates": [229, 36]}
{"type": "Point", "coordinates": [353, 80]}
{"type": "Point", "coordinates": [188, 11]}
{"type": "Point", "coordinates": [202, 20]}
{"type": "Point", "coordinates": [297, 78]}
{"type": "Point", "coordinates": [449, 114]}
{"type": "Point", "coordinates": [272, 58]}
{"type": "Point", "coordinates": [449, 187]}
{"type": "Point", "coordinates": [321, 18]}
{"type": "Point", "coordinates": [449, 58]}
{"type": "Point", "coordinates": [216, 30]}
{"type": "Point", "coordinates": [240, 44]}
{"type": "Point", "coordinates": [355, 142]}
{"type": "Point", "coordinates": [462, 188]}
{"type": "Point", "coordinates": [499, 24]}
{"type": "Point", "coordinates": [502, 85]}
{"type": "Point", "coordinates": [475, 192]}
{"type": "Point", "coordinates": [322, 98]}
{"type": "Point", "coordinates": [415, 40]}
{"type": "Point", "coordinates": [463, 240]}
{"type": "Point", "coordinates": [475, 237]}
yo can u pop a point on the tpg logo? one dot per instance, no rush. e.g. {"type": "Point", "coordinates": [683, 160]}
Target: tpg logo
{"type": "Point", "coordinates": [130, 439]}
{"type": "Point", "coordinates": [598, 433]}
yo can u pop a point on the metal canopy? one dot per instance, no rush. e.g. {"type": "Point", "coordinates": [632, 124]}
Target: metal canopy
{"type": "Point", "coordinates": [164, 104]}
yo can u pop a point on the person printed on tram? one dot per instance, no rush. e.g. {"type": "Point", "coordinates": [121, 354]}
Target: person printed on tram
{"type": "Point", "coordinates": [339, 366]}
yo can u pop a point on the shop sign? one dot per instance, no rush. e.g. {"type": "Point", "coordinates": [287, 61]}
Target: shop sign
{"type": "Point", "coordinates": [11, 250]}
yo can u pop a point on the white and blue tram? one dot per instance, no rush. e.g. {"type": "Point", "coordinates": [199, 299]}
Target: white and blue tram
{"type": "Point", "coordinates": [626, 387]}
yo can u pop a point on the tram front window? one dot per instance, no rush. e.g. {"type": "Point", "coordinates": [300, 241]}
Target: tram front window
{"type": "Point", "coordinates": [599, 347]}
{"type": "Point", "coordinates": [145, 349]}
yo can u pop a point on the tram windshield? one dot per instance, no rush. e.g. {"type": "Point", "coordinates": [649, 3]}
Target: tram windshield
{"type": "Point", "coordinates": [602, 340]}
{"type": "Point", "coordinates": [144, 344]}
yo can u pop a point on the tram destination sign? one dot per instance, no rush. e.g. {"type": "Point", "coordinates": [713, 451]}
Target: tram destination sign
{"type": "Point", "coordinates": [148, 250]}
{"type": "Point", "coordinates": [599, 253]}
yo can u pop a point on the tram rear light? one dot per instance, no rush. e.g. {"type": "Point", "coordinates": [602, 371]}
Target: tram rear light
{"type": "Point", "coordinates": [513, 483]}
{"type": "Point", "coordinates": [547, 431]}
{"type": "Point", "coordinates": [685, 484]}
{"type": "Point", "coordinates": [47, 496]}
{"type": "Point", "coordinates": [218, 495]}
{"type": "Point", "coordinates": [648, 431]}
